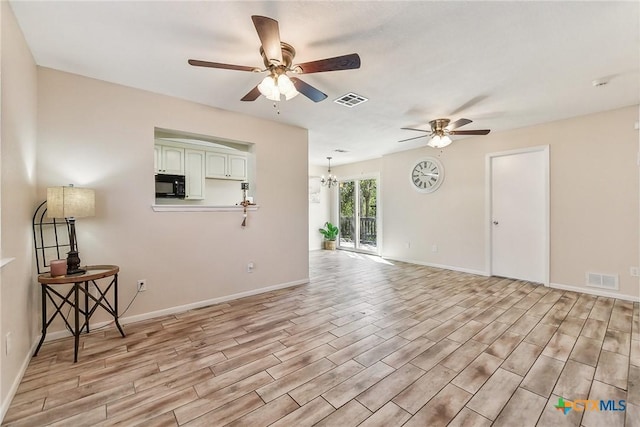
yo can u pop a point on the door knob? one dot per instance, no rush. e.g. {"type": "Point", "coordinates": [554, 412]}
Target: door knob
{"type": "Point", "coordinates": [495, 222]}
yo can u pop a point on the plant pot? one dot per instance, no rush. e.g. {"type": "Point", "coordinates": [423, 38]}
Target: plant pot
{"type": "Point", "coordinates": [330, 245]}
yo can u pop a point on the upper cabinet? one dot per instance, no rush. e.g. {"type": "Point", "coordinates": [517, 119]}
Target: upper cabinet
{"type": "Point", "coordinates": [237, 167]}
{"type": "Point", "coordinates": [168, 160]}
{"type": "Point", "coordinates": [226, 166]}
{"type": "Point", "coordinates": [194, 167]}
{"type": "Point", "coordinates": [211, 168]}
{"type": "Point", "coordinates": [216, 165]}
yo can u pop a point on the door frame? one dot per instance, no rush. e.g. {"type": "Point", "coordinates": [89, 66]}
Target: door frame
{"type": "Point", "coordinates": [489, 199]}
{"type": "Point", "coordinates": [336, 209]}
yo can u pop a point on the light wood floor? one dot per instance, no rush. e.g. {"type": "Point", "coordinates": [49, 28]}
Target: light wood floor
{"type": "Point", "coordinates": [365, 343]}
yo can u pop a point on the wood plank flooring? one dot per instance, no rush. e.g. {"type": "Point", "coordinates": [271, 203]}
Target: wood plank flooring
{"type": "Point", "coordinates": [366, 342]}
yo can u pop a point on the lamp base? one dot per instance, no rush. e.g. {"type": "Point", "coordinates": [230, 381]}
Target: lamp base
{"type": "Point", "coordinates": [73, 264]}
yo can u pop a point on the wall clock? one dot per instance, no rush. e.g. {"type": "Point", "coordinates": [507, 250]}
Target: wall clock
{"type": "Point", "coordinates": [427, 175]}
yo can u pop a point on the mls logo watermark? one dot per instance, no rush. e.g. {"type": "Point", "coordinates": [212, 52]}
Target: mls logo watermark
{"type": "Point", "coordinates": [590, 405]}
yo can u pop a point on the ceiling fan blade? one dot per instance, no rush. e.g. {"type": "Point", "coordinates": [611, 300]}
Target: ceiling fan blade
{"type": "Point", "coordinates": [470, 132]}
{"type": "Point", "coordinates": [269, 34]}
{"type": "Point", "coordinates": [307, 90]}
{"type": "Point", "coordinates": [198, 63]}
{"type": "Point", "coordinates": [252, 95]}
{"type": "Point", "coordinates": [419, 130]}
{"type": "Point", "coordinates": [415, 137]}
{"type": "Point", "coordinates": [344, 62]}
{"type": "Point", "coordinates": [458, 123]}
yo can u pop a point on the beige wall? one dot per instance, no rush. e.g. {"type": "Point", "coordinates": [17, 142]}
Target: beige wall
{"type": "Point", "coordinates": [594, 199]}
{"type": "Point", "coordinates": [101, 135]}
{"type": "Point", "coordinates": [18, 293]}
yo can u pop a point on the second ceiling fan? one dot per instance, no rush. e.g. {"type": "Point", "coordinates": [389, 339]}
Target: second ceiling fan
{"type": "Point", "coordinates": [278, 60]}
{"type": "Point", "coordinates": [442, 128]}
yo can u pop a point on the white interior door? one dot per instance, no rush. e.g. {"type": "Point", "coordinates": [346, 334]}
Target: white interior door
{"type": "Point", "coordinates": [519, 214]}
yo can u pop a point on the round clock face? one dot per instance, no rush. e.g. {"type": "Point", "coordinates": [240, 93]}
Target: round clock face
{"type": "Point", "coordinates": [427, 175]}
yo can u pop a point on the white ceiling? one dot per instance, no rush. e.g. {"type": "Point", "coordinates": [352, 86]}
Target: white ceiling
{"type": "Point", "coordinates": [503, 65]}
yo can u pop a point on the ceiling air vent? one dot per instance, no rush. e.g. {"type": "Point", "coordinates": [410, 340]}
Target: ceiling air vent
{"type": "Point", "coordinates": [603, 281]}
{"type": "Point", "coordinates": [351, 100]}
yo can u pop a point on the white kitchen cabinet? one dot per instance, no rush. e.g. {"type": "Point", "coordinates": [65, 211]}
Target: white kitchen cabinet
{"type": "Point", "coordinates": [226, 166]}
{"type": "Point", "coordinates": [169, 160]}
{"type": "Point", "coordinates": [237, 167]}
{"type": "Point", "coordinates": [157, 153]}
{"type": "Point", "coordinates": [194, 162]}
{"type": "Point", "coordinates": [216, 165]}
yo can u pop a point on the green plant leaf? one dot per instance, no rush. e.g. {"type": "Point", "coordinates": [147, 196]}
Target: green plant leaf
{"type": "Point", "coordinates": [330, 231]}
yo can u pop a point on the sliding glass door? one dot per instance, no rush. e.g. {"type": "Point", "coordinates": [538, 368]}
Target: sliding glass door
{"type": "Point", "coordinates": [357, 207]}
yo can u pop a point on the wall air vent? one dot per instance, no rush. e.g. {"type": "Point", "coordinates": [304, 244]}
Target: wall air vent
{"type": "Point", "coordinates": [351, 100]}
{"type": "Point", "coordinates": [603, 281]}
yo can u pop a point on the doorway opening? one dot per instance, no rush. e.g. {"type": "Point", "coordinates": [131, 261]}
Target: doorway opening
{"type": "Point", "coordinates": [358, 215]}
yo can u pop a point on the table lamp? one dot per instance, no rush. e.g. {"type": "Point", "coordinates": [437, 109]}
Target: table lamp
{"type": "Point", "coordinates": [71, 203]}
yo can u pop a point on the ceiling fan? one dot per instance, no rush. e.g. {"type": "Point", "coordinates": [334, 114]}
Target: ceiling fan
{"type": "Point", "coordinates": [442, 128]}
{"type": "Point", "coordinates": [278, 60]}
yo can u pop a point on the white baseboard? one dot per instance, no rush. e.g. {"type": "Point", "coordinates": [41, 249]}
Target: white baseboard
{"type": "Point", "coordinates": [594, 291]}
{"type": "Point", "coordinates": [186, 307]}
{"type": "Point", "coordinates": [16, 383]}
{"type": "Point", "coordinates": [444, 267]}
{"type": "Point", "coordinates": [181, 308]}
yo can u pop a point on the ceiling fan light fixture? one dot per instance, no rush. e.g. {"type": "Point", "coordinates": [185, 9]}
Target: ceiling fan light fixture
{"type": "Point", "coordinates": [286, 87]}
{"type": "Point", "coordinates": [291, 95]}
{"type": "Point", "coordinates": [272, 87]}
{"type": "Point", "coordinates": [439, 141]}
{"type": "Point", "coordinates": [269, 88]}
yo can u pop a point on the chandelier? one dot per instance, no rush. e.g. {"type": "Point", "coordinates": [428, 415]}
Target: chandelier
{"type": "Point", "coordinates": [331, 180]}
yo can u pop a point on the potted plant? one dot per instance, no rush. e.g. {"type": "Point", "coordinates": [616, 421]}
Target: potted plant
{"type": "Point", "coordinates": [330, 233]}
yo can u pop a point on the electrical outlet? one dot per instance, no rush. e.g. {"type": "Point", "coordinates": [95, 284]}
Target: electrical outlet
{"type": "Point", "coordinates": [142, 285]}
{"type": "Point", "coordinates": [8, 343]}
{"type": "Point", "coordinates": [434, 248]}
{"type": "Point", "coordinates": [633, 271]}
{"type": "Point", "coordinates": [250, 267]}
{"type": "Point", "coordinates": [407, 245]}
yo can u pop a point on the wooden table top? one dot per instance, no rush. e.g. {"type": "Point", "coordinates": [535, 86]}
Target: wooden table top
{"type": "Point", "coordinates": [93, 272]}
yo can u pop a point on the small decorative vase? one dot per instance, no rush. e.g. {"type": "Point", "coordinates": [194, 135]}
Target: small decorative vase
{"type": "Point", "coordinates": [58, 267]}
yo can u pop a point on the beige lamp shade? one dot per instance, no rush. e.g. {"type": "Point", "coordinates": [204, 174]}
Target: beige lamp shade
{"type": "Point", "coordinates": [70, 202]}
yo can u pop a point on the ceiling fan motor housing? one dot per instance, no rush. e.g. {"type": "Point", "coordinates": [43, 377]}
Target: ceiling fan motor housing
{"type": "Point", "coordinates": [438, 126]}
{"type": "Point", "coordinates": [288, 53]}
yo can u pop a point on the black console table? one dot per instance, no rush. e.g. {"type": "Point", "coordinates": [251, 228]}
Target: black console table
{"type": "Point", "coordinates": [72, 297]}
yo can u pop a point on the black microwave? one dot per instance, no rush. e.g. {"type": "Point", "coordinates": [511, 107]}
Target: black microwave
{"type": "Point", "coordinates": [170, 186]}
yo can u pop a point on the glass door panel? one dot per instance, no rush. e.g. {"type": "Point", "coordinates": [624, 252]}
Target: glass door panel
{"type": "Point", "coordinates": [368, 233]}
{"type": "Point", "coordinates": [347, 214]}
{"type": "Point", "coordinates": [357, 206]}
